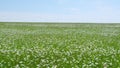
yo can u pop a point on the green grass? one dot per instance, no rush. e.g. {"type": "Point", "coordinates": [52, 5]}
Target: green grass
{"type": "Point", "coordinates": [35, 45]}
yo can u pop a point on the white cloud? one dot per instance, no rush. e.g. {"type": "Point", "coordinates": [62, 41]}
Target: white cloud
{"type": "Point", "coordinates": [90, 17]}
{"type": "Point", "coordinates": [19, 16]}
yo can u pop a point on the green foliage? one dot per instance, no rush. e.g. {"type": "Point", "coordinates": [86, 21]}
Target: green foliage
{"type": "Point", "coordinates": [35, 45]}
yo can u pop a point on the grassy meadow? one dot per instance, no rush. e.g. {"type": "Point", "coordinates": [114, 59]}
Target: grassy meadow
{"type": "Point", "coordinates": [62, 45]}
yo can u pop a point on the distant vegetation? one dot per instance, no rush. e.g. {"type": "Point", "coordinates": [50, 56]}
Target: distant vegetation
{"type": "Point", "coordinates": [35, 45]}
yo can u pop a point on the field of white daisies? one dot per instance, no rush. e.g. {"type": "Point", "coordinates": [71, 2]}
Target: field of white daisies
{"type": "Point", "coordinates": [43, 45]}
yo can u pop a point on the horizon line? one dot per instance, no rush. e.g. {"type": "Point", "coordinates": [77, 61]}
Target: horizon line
{"type": "Point", "coordinates": [55, 22]}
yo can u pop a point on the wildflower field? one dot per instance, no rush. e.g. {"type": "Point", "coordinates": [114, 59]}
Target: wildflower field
{"type": "Point", "coordinates": [62, 45]}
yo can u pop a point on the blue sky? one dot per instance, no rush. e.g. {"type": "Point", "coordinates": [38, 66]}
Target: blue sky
{"type": "Point", "coordinates": [60, 10]}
